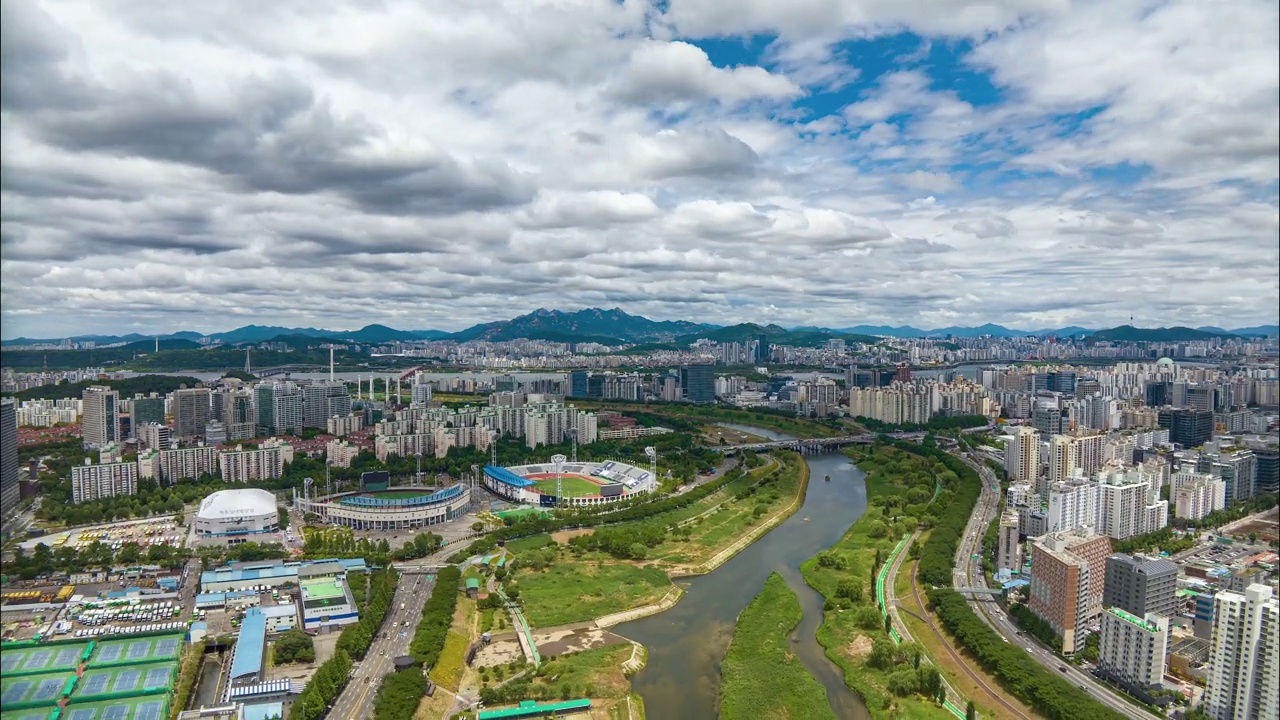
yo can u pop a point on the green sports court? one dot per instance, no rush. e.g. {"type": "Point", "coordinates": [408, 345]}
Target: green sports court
{"type": "Point", "coordinates": [125, 681]}
{"type": "Point", "coordinates": [41, 659]}
{"type": "Point", "coordinates": [38, 691]}
{"type": "Point", "coordinates": [135, 708]}
{"type": "Point", "coordinates": [133, 651]}
{"type": "Point", "coordinates": [32, 714]}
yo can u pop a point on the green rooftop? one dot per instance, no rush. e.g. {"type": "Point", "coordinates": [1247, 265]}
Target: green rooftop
{"type": "Point", "coordinates": [1130, 617]}
{"type": "Point", "coordinates": [473, 584]}
{"type": "Point", "coordinates": [324, 589]}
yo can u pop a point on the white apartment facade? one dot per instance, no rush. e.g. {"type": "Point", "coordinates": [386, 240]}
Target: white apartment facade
{"type": "Point", "coordinates": [1133, 648]}
{"type": "Point", "coordinates": [262, 463]}
{"type": "Point", "coordinates": [91, 482]}
{"type": "Point", "coordinates": [1244, 656]}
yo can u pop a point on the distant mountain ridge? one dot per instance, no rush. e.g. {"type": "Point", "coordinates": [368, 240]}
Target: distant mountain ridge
{"type": "Point", "coordinates": [616, 327]}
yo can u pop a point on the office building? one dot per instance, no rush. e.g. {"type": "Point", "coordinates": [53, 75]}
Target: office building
{"type": "Point", "coordinates": [91, 482]}
{"type": "Point", "coordinates": [1244, 656]}
{"type": "Point", "coordinates": [1141, 586]}
{"type": "Point", "coordinates": [762, 349]}
{"type": "Point", "coordinates": [698, 383]}
{"type": "Point", "coordinates": [1022, 455]}
{"type": "Point", "coordinates": [1133, 649]}
{"type": "Point", "coordinates": [144, 411]}
{"type": "Point", "coordinates": [1051, 420]}
{"type": "Point", "coordinates": [1236, 466]}
{"type": "Point", "coordinates": [192, 408]}
{"type": "Point", "coordinates": [1008, 548]}
{"type": "Point", "coordinates": [578, 383]}
{"type": "Point", "coordinates": [1068, 572]}
{"type": "Point", "coordinates": [1266, 477]}
{"type": "Point", "coordinates": [101, 424]}
{"type": "Point", "coordinates": [155, 436]}
{"type": "Point", "coordinates": [9, 472]}
{"type": "Point", "coordinates": [1188, 428]}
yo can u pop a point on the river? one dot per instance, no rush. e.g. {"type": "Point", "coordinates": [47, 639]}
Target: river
{"type": "Point", "coordinates": [687, 643]}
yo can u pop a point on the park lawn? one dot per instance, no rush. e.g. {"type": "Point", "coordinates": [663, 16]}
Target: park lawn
{"type": "Point", "coordinates": [448, 670]}
{"type": "Point", "coordinates": [762, 678]}
{"type": "Point", "coordinates": [579, 589]}
{"type": "Point", "coordinates": [595, 674]}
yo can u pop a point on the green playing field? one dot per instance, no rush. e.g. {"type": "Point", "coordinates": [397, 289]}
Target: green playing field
{"type": "Point", "coordinates": [574, 486]}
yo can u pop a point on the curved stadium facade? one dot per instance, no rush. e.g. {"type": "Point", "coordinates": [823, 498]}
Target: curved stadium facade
{"type": "Point", "coordinates": [390, 509]}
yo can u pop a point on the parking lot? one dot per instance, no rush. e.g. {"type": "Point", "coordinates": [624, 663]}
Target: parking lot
{"type": "Point", "coordinates": [151, 531]}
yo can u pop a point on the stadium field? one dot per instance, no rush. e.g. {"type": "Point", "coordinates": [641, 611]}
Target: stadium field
{"type": "Point", "coordinates": [574, 485]}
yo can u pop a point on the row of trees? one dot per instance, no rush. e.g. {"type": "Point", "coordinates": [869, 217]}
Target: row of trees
{"type": "Point", "coordinates": [1036, 626]}
{"type": "Point", "coordinates": [399, 694]}
{"type": "Point", "coordinates": [1044, 691]}
{"type": "Point", "coordinates": [374, 592]}
{"type": "Point", "coordinates": [44, 560]}
{"type": "Point", "coordinates": [437, 615]}
{"type": "Point", "coordinates": [941, 422]}
{"type": "Point", "coordinates": [955, 503]}
{"type": "Point", "coordinates": [128, 387]}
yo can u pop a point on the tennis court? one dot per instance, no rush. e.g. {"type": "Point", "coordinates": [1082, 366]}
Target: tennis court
{"type": "Point", "coordinates": [32, 714]}
{"type": "Point", "coordinates": [139, 708]}
{"type": "Point", "coordinates": [42, 689]}
{"type": "Point", "coordinates": [46, 658]}
{"type": "Point", "coordinates": [134, 679]}
{"type": "Point", "coordinates": [136, 650]}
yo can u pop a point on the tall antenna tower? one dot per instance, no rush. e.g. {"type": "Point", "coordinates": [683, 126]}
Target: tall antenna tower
{"type": "Point", "coordinates": [330, 364]}
{"type": "Point", "coordinates": [157, 343]}
{"type": "Point", "coordinates": [248, 367]}
{"type": "Point", "coordinates": [652, 453]}
{"type": "Point", "coordinates": [557, 461]}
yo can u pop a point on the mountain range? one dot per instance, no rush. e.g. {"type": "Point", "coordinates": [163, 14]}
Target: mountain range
{"type": "Point", "coordinates": [616, 327]}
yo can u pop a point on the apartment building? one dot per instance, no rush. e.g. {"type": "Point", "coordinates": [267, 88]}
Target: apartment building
{"type": "Point", "coordinates": [1068, 572]}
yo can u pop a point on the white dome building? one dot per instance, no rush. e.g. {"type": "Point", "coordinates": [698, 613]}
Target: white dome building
{"type": "Point", "coordinates": [232, 517]}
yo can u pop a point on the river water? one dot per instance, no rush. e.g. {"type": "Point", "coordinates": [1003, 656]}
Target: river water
{"type": "Point", "coordinates": [687, 643]}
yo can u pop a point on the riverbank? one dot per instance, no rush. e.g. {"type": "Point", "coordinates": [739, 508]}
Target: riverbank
{"type": "Point", "coordinates": [900, 488]}
{"type": "Point", "coordinates": [762, 677]}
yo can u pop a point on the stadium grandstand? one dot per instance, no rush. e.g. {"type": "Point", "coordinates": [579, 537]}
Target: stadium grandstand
{"type": "Point", "coordinates": [583, 483]}
{"type": "Point", "coordinates": [395, 508]}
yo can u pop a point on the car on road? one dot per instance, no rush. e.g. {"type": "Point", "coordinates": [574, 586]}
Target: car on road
{"type": "Point", "coordinates": [1062, 668]}
{"type": "Point", "coordinates": [1030, 650]}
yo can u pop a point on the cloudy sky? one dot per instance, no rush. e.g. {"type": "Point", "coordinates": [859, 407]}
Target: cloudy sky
{"type": "Point", "coordinates": [1035, 163]}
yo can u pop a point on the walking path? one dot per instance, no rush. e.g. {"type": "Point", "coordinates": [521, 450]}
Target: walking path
{"type": "Point", "coordinates": [666, 603]}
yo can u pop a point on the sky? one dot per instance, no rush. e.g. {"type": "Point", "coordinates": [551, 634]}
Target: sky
{"type": "Point", "coordinates": [431, 165]}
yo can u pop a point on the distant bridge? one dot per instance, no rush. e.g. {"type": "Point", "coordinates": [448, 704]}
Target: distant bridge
{"type": "Point", "coordinates": [286, 369]}
{"type": "Point", "coordinates": [814, 445]}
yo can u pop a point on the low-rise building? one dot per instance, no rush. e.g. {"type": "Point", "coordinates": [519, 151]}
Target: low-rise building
{"type": "Point", "coordinates": [326, 603]}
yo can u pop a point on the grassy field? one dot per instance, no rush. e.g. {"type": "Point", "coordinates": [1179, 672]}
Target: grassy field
{"type": "Point", "coordinates": [762, 678]}
{"type": "Point", "coordinates": [700, 539]}
{"type": "Point", "coordinates": [595, 674]}
{"type": "Point", "coordinates": [578, 589]}
{"type": "Point", "coordinates": [574, 486]}
{"type": "Point", "coordinates": [852, 625]}
{"type": "Point", "coordinates": [448, 671]}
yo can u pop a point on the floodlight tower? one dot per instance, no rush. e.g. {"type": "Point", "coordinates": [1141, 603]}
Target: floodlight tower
{"type": "Point", "coordinates": [573, 436]}
{"type": "Point", "coordinates": [306, 486]}
{"type": "Point", "coordinates": [475, 485]}
{"type": "Point", "coordinates": [557, 461]}
{"type": "Point", "coordinates": [417, 479]}
{"type": "Point", "coordinates": [493, 452]}
{"type": "Point", "coordinates": [652, 453]}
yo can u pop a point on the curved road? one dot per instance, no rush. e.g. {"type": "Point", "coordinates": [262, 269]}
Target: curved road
{"type": "Point", "coordinates": [968, 573]}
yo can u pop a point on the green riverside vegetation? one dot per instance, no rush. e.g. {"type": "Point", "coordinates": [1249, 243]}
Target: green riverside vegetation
{"type": "Point", "coordinates": [762, 678]}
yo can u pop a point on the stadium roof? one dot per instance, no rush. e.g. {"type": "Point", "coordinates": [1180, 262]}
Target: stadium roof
{"type": "Point", "coordinates": [235, 503]}
{"type": "Point", "coordinates": [504, 475]}
{"type": "Point", "coordinates": [250, 645]}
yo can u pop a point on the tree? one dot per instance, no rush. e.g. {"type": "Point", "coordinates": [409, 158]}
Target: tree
{"type": "Point", "coordinates": [888, 623]}
{"type": "Point", "coordinates": [970, 712]}
{"type": "Point", "coordinates": [477, 526]}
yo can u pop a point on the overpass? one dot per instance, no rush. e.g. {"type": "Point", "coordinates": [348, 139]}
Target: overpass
{"type": "Point", "coordinates": [813, 445]}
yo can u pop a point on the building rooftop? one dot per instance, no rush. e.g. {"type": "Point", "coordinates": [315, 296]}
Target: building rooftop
{"type": "Point", "coordinates": [264, 711]}
{"type": "Point", "coordinates": [251, 645]}
{"type": "Point", "coordinates": [321, 589]}
{"type": "Point", "coordinates": [1131, 618]}
{"type": "Point", "coordinates": [286, 610]}
{"type": "Point", "coordinates": [234, 503]}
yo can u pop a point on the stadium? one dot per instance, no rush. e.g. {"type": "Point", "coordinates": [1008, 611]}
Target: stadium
{"type": "Point", "coordinates": [583, 483]}
{"type": "Point", "coordinates": [391, 508]}
{"type": "Point", "coordinates": [232, 517]}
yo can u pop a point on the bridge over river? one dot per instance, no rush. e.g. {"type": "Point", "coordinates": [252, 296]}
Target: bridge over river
{"type": "Point", "coordinates": [815, 445]}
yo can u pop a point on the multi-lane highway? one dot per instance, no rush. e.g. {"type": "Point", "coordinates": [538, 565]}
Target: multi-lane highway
{"type": "Point", "coordinates": [968, 574]}
{"type": "Point", "coordinates": [356, 700]}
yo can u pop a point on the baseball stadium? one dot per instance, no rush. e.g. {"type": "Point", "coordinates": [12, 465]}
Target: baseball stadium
{"type": "Point", "coordinates": [389, 508]}
{"type": "Point", "coordinates": [582, 483]}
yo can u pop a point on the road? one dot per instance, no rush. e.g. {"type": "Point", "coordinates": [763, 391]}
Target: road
{"type": "Point", "coordinates": [968, 573]}
{"type": "Point", "coordinates": [356, 700]}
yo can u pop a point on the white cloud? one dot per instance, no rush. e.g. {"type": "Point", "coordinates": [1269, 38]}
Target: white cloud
{"type": "Point", "coordinates": [439, 164]}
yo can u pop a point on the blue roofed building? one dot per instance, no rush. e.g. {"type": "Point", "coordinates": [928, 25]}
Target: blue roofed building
{"type": "Point", "coordinates": [249, 653]}
{"type": "Point", "coordinates": [273, 574]}
{"type": "Point", "coordinates": [263, 711]}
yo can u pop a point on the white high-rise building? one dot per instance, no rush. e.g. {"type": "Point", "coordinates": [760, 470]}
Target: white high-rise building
{"type": "Point", "coordinates": [1125, 504]}
{"type": "Point", "coordinates": [420, 392]}
{"type": "Point", "coordinates": [1197, 494]}
{"type": "Point", "coordinates": [1133, 648]}
{"type": "Point", "coordinates": [91, 482]}
{"type": "Point", "coordinates": [1064, 457]}
{"type": "Point", "coordinates": [262, 463]}
{"type": "Point", "coordinates": [1022, 455]}
{"type": "Point", "coordinates": [1244, 656]}
{"type": "Point", "coordinates": [1072, 504]}
{"type": "Point", "coordinates": [1008, 549]}
{"type": "Point", "coordinates": [101, 424]}
{"type": "Point", "coordinates": [154, 436]}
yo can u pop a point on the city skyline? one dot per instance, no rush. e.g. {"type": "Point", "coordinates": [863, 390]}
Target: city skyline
{"type": "Point", "coordinates": [823, 165]}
